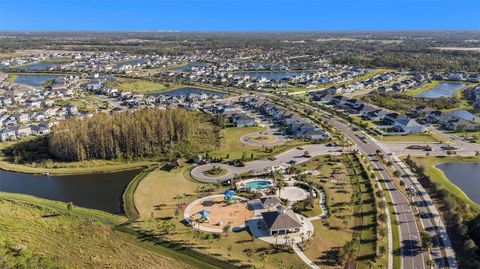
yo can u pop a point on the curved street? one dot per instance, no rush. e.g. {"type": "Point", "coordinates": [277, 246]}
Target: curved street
{"type": "Point", "coordinates": [259, 166]}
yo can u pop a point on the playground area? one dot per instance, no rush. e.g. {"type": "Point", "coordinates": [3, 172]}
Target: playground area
{"type": "Point", "coordinates": [213, 213]}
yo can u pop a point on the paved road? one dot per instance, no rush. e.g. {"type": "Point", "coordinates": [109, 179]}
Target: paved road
{"type": "Point", "coordinates": [260, 166]}
{"type": "Point", "coordinates": [411, 255]}
{"type": "Point", "coordinates": [410, 251]}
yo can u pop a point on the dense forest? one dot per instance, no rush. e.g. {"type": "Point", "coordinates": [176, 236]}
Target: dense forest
{"type": "Point", "coordinates": [167, 134]}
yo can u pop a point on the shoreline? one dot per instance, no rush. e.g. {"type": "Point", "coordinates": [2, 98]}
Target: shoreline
{"type": "Point", "coordinates": [103, 169]}
{"type": "Point", "coordinates": [438, 176]}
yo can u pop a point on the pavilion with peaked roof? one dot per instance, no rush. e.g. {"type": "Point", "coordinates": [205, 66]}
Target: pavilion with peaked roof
{"type": "Point", "coordinates": [282, 221]}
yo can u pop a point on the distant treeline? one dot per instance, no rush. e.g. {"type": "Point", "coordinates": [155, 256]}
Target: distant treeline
{"type": "Point", "coordinates": [166, 134]}
{"type": "Point", "coordinates": [428, 60]}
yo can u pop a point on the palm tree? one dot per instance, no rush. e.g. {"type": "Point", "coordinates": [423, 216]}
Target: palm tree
{"type": "Point", "coordinates": [264, 258]}
{"type": "Point", "coordinates": [280, 186]}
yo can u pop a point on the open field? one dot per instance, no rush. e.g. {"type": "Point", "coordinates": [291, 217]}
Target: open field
{"type": "Point", "coordinates": [436, 175]}
{"type": "Point", "coordinates": [140, 86]}
{"type": "Point", "coordinates": [164, 195]}
{"type": "Point", "coordinates": [429, 137]}
{"type": "Point", "coordinates": [234, 147]}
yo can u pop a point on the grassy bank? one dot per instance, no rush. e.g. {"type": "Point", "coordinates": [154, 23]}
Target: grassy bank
{"type": "Point", "coordinates": [118, 242]}
{"type": "Point", "coordinates": [437, 176]}
{"type": "Point", "coordinates": [423, 88]}
{"type": "Point", "coordinates": [11, 78]}
{"type": "Point", "coordinates": [129, 207]}
{"type": "Point", "coordinates": [76, 168]}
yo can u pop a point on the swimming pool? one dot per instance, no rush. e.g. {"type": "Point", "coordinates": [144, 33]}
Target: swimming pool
{"type": "Point", "coordinates": [258, 184]}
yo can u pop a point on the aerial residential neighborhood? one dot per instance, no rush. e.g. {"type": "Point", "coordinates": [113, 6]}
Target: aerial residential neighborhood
{"type": "Point", "coordinates": [240, 134]}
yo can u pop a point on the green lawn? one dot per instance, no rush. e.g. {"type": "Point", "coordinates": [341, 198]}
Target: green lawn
{"type": "Point", "coordinates": [339, 184]}
{"type": "Point", "coordinates": [140, 86]}
{"type": "Point", "coordinates": [11, 78]}
{"type": "Point", "coordinates": [436, 175]}
{"type": "Point", "coordinates": [234, 147]}
{"type": "Point", "coordinates": [412, 138]}
{"type": "Point", "coordinates": [470, 136]}
{"type": "Point", "coordinates": [56, 235]}
{"type": "Point", "coordinates": [156, 196]}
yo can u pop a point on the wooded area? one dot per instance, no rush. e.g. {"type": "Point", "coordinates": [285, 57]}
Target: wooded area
{"type": "Point", "coordinates": [168, 134]}
{"type": "Point", "coordinates": [141, 133]}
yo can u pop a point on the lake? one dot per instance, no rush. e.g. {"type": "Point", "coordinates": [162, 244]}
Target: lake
{"type": "Point", "coordinates": [33, 79]}
{"type": "Point", "coordinates": [97, 191]}
{"type": "Point", "coordinates": [466, 176]}
{"type": "Point", "coordinates": [271, 75]}
{"type": "Point", "coordinates": [443, 89]}
{"type": "Point", "coordinates": [186, 91]}
{"type": "Point", "coordinates": [37, 66]}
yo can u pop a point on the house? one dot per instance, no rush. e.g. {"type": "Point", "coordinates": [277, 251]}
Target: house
{"type": "Point", "coordinates": [322, 97]}
{"type": "Point", "coordinates": [71, 109]}
{"type": "Point", "coordinates": [281, 221]}
{"type": "Point", "coordinates": [39, 130]}
{"type": "Point", "coordinates": [21, 131]}
{"type": "Point", "coordinates": [407, 125]}
{"type": "Point", "coordinates": [461, 125]}
{"type": "Point", "coordinates": [317, 134]}
{"type": "Point", "coordinates": [438, 116]}
{"type": "Point", "coordinates": [7, 134]}
{"type": "Point", "coordinates": [421, 111]}
{"type": "Point", "coordinates": [245, 121]}
{"type": "Point", "coordinates": [21, 117]}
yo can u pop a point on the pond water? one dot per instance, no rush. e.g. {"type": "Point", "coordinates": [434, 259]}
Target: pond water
{"type": "Point", "coordinates": [186, 91]}
{"type": "Point", "coordinates": [466, 176]}
{"type": "Point", "coordinates": [443, 89]}
{"type": "Point", "coordinates": [131, 62]}
{"type": "Point", "coordinates": [33, 79]}
{"type": "Point", "coordinates": [97, 191]}
{"type": "Point", "coordinates": [189, 66]}
{"type": "Point", "coordinates": [271, 75]}
{"type": "Point", "coordinates": [37, 66]}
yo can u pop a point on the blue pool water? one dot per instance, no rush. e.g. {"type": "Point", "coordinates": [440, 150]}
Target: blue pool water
{"type": "Point", "coordinates": [260, 184]}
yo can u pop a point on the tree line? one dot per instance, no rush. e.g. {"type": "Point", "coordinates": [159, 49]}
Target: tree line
{"type": "Point", "coordinates": [143, 133]}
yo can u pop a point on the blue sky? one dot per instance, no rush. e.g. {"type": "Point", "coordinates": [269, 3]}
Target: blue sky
{"type": "Point", "coordinates": [239, 14]}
